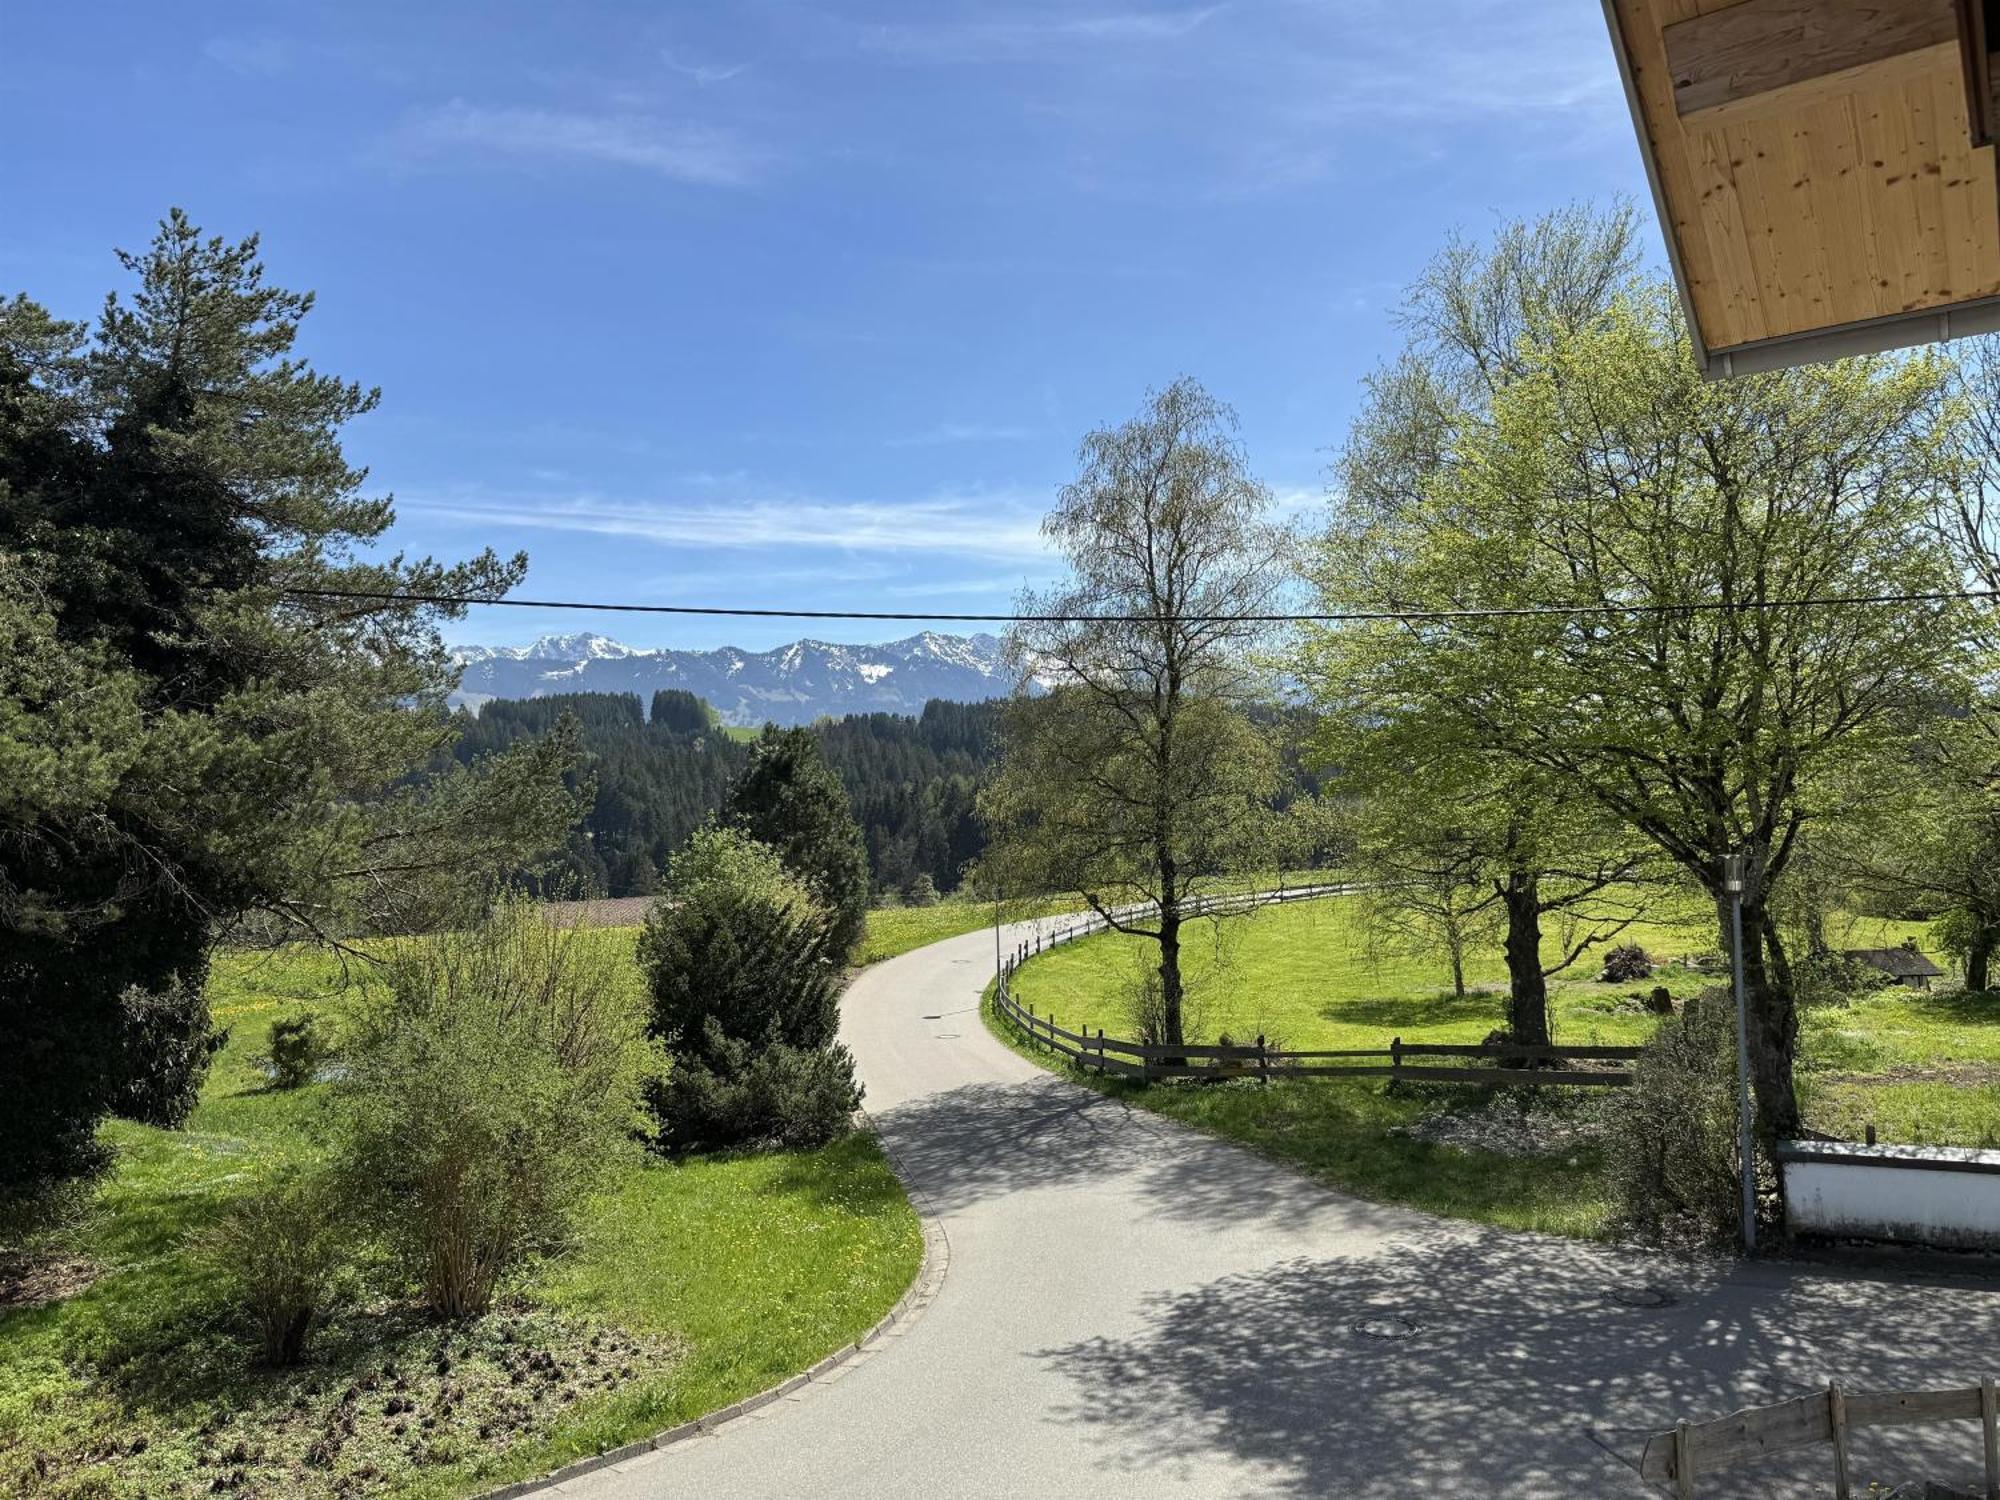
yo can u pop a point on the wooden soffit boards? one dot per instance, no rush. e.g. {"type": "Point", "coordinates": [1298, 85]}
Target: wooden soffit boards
{"type": "Point", "coordinates": [1815, 169]}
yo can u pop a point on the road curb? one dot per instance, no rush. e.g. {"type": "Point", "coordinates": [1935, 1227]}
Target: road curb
{"type": "Point", "coordinates": [922, 1291]}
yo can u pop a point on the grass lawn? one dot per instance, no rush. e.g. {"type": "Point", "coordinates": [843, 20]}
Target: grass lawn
{"type": "Point", "coordinates": [1921, 1068]}
{"type": "Point", "coordinates": [895, 930]}
{"type": "Point", "coordinates": [694, 1285]}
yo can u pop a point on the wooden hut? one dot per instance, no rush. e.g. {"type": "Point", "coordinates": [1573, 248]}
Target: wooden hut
{"type": "Point", "coordinates": [1905, 965]}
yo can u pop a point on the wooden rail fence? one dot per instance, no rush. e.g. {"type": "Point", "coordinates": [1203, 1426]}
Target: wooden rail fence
{"type": "Point", "coordinates": [1480, 1065]}
{"type": "Point", "coordinates": [1692, 1449]}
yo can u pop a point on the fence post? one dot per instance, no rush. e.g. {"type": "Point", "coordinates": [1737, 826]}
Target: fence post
{"type": "Point", "coordinates": [1263, 1060]}
{"type": "Point", "coordinates": [1395, 1061]}
{"type": "Point", "coordinates": [1100, 1049]}
{"type": "Point", "coordinates": [1991, 1433]}
{"type": "Point", "coordinates": [1836, 1412]}
{"type": "Point", "coordinates": [1683, 1462]}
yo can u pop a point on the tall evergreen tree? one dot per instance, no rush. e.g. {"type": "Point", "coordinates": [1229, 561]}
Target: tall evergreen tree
{"type": "Point", "coordinates": [788, 799]}
{"type": "Point", "coordinates": [172, 494]}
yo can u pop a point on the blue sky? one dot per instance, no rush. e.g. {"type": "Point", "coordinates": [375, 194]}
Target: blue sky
{"type": "Point", "coordinates": [801, 303]}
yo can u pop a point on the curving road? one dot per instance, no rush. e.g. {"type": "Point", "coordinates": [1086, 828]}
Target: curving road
{"type": "Point", "coordinates": [1134, 1309]}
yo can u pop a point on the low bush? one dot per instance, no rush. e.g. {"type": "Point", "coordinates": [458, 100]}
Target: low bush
{"type": "Point", "coordinates": [746, 999]}
{"type": "Point", "coordinates": [487, 1095]}
{"type": "Point", "coordinates": [1827, 978]}
{"type": "Point", "coordinates": [1146, 1007]}
{"type": "Point", "coordinates": [295, 1052]}
{"type": "Point", "coordinates": [167, 1043]}
{"type": "Point", "coordinates": [921, 891]}
{"type": "Point", "coordinates": [780, 1097]}
{"type": "Point", "coordinates": [1671, 1136]}
{"type": "Point", "coordinates": [282, 1250]}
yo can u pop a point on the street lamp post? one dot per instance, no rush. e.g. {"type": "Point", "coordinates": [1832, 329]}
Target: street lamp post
{"type": "Point", "coordinates": [1732, 882]}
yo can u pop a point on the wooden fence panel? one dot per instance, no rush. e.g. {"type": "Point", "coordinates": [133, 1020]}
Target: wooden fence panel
{"type": "Point", "coordinates": [1695, 1448]}
{"type": "Point", "coordinates": [1906, 1408]}
{"type": "Point", "coordinates": [1203, 1060]}
{"type": "Point", "coordinates": [1742, 1435]}
{"type": "Point", "coordinates": [1543, 1054]}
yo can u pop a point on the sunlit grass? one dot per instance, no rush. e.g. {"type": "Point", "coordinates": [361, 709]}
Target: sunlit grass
{"type": "Point", "coordinates": [749, 1267]}
{"type": "Point", "coordinates": [1919, 1067]}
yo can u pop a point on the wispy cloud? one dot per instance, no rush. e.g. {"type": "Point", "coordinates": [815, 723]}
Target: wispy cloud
{"type": "Point", "coordinates": [941, 588]}
{"type": "Point", "coordinates": [1016, 39]}
{"type": "Point", "coordinates": [1461, 61]}
{"type": "Point", "coordinates": [962, 432]}
{"type": "Point", "coordinates": [250, 55]}
{"type": "Point", "coordinates": [703, 73]}
{"type": "Point", "coordinates": [981, 525]}
{"type": "Point", "coordinates": [510, 135]}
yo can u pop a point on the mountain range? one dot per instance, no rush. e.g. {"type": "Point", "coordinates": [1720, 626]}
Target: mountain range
{"type": "Point", "coordinates": [792, 684]}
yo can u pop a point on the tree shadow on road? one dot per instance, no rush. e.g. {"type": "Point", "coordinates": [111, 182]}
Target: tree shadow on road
{"type": "Point", "coordinates": [971, 1144]}
{"type": "Point", "coordinates": [1476, 1362]}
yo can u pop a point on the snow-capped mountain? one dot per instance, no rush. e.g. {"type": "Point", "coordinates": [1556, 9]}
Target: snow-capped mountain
{"type": "Point", "coordinates": [793, 684]}
{"type": "Point", "coordinates": [584, 645]}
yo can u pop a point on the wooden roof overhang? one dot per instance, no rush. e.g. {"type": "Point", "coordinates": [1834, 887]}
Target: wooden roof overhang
{"type": "Point", "coordinates": [1823, 170]}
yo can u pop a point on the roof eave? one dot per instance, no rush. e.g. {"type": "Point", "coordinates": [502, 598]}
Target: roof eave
{"type": "Point", "coordinates": [1702, 357]}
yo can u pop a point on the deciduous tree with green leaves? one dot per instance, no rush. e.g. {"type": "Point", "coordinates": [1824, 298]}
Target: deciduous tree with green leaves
{"type": "Point", "coordinates": [1449, 833]}
{"type": "Point", "coordinates": [1137, 773]}
{"type": "Point", "coordinates": [1678, 518]}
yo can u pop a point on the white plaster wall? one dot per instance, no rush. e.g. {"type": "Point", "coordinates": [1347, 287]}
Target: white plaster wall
{"type": "Point", "coordinates": [1909, 1204]}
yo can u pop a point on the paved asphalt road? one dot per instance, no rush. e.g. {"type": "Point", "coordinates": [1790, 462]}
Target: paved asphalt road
{"type": "Point", "coordinates": [1133, 1309]}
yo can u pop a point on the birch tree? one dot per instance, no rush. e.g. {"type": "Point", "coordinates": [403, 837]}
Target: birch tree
{"type": "Point", "coordinates": [1130, 773]}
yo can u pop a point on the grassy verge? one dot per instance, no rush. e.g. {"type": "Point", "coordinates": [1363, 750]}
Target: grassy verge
{"type": "Point", "coordinates": [895, 930]}
{"type": "Point", "coordinates": [694, 1285]}
{"type": "Point", "coordinates": [1347, 1134]}
{"type": "Point", "coordinates": [1919, 1067]}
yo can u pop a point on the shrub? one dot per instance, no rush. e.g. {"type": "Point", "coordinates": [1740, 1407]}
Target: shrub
{"type": "Point", "coordinates": [166, 1047]}
{"type": "Point", "coordinates": [282, 1251]}
{"type": "Point", "coordinates": [921, 891]}
{"type": "Point", "coordinates": [295, 1052]}
{"type": "Point", "coordinates": [1828, 978]}
{"type": "Point", "coordinates": [1671, 1139]}
{"type": "Point", "coordinates": [1146, 1008]}
{"type": "Point", "coordinates": [746, 1001]}
{"type": "Point", "coordinates": [780, 1097]}
{"type": "Point", "coordinates": [1625, 963]}
{"type": "Point", "coordinates": [486, 1096]}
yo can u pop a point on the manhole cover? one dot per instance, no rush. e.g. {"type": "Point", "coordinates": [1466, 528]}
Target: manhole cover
{"type": "Point", "coordinates": [1640, 1296]}
{"type": "Point", "coordinates": [947, 1036]}
{"type": "Point", "coordinates": [1385, 1326]}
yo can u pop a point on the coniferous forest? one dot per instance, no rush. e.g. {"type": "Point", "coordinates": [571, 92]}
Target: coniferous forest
{"type": "Point", "coordinates": [660, 772]}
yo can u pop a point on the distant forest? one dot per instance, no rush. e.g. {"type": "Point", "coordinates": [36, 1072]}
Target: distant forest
{"type": "Point", "coordinates": [659, 775]}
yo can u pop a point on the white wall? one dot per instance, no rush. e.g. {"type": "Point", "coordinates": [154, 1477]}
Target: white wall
{"type": "Point", "coordinates": [1906, 1194]}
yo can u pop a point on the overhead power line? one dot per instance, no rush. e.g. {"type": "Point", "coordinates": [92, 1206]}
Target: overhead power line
{"type": "Point", "coordinates": [1334, 617]}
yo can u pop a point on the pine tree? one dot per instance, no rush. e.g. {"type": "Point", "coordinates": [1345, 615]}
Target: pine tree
{"type": "Point", "coordinates": [172, 490]}
{"type": "Point", "coordinates": [788, 799]}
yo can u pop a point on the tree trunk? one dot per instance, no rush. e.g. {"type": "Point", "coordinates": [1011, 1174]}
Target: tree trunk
{"type": "Point", "coordinates": [1979, 954]}
{"type": "Point", "coordinates": [1773, 1022]}
{"type": "Point", "coordinates": [1781, 963]}
{"type": "Point", "coordinates": [1527, 989]}
{"type": "Point", "coordinates": [1458, 970]}
{"type": "Point", "coordinates": [1171, 1033]}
